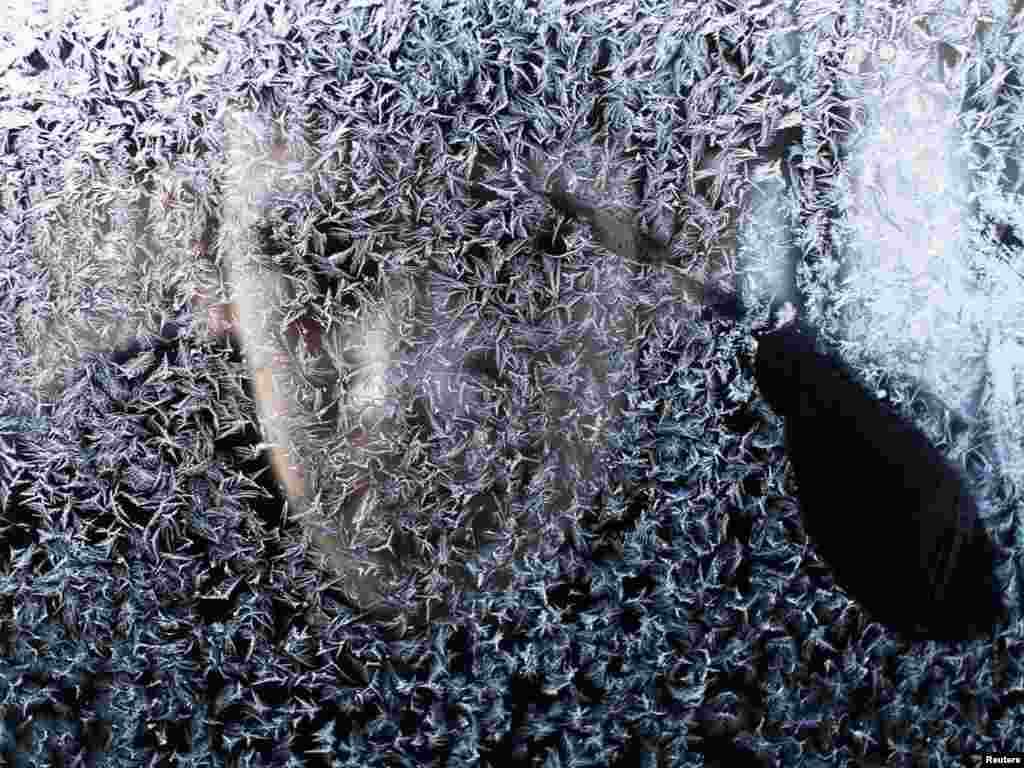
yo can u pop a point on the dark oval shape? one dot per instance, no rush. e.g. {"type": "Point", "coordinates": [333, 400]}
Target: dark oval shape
{"type": "Point", "coordinates": [886, 510]}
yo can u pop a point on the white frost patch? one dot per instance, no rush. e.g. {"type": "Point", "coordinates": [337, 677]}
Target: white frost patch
{"type": "Point", "coordinates": [912, 303]}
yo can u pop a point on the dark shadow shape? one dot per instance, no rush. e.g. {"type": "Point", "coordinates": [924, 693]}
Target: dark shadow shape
{"type": "Point", "coordinates": [893, 518]}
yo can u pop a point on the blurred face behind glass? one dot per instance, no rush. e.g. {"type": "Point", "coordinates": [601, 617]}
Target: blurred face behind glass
{"type": "Point", "coordinates": [475, 381]}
